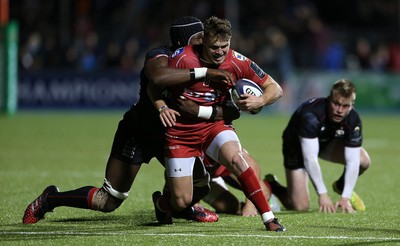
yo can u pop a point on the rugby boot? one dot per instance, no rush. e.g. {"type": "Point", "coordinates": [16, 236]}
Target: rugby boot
{"type": "Point", "coordinates": [274, 225]}
{"type": "Point", "coordinates": [39, 207]}
{"type": "Point", "coordinates": [355, 200]}
{"type": "Point", "coordinates": [164, 218]}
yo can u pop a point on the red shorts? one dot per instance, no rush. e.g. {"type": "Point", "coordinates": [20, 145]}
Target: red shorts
{"type": "Point", "coordinates": [188, 140]}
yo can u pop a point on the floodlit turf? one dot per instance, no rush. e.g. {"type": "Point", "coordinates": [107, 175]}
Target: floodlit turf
{"type": "Point", "coordinates": [70, 150]}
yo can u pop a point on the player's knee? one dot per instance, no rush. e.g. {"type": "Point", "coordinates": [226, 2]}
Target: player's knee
{"type": "Point", "coordinates": [181, 202]}
{"type": "Point", "coordinates": [365, 160]}
{"type": "Point", "coordinates": [300, 207]}
{"type": "Point", "coordinates": [365, 164]}
{"type": "Point", "coordinates": [104, 202]}
{"type": "Point", "coordinates": [107, 199]}
{"type": "Point", "coordinates": [299, 204]}
{"type": "Point", "coordinates": [239, 164]}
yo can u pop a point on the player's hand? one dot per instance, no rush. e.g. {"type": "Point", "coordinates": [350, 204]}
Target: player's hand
{"type": "Point", "coordinates": [326, 204]}
{"type": "Point", "coordinates": [249, 102]}
{"type": "Point", "coordinates": [344, 203]}
{"type": "Point", "coordinates": [168, 117]}
{"type": "Point", "coordinates": [220, 76]}
{"type": "Point", "coordinates": [187, 107]}
{"type": "Point", "coordinates": [249, 210]}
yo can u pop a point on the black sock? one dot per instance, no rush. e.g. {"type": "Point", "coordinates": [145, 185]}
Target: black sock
{"type": "Point", "coordinates": [340, 183]}
{"type": "Point", "coordinates": [183, 214]}
{"type": "Point", "coordinates": [74, 198]}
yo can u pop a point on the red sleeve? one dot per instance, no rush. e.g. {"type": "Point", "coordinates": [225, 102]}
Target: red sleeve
{"type": "Point", "coordinates": [250, 69]}
{"type": "Point", "coordinates": [174, 60]}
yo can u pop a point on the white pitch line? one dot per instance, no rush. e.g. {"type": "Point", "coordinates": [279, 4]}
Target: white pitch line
{"type": "Point", "coordinates": [194, 235]}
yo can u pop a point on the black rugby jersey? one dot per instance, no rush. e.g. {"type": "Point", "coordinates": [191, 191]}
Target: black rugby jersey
{"type": "Point", "coordinates": [310, 120]}
{"type": "Point", "coordinates": [145, 115]}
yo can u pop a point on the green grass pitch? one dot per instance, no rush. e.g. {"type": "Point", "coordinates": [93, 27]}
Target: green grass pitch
{"type": "Point", "coordinates": [70, 149]}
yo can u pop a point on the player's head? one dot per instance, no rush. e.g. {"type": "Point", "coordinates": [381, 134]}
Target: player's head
{"type": "Point", "coordinates": [341, 99]}
{"type": "Point", "coordinates": [186, 30]}
{"type": "Point", "coordinates": [217, 39]}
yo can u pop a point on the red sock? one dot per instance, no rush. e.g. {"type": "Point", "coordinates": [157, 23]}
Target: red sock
{"type": "Point", "coordinates": [90, 196]}
{"type": "Point", "coordinates": [253, 191]}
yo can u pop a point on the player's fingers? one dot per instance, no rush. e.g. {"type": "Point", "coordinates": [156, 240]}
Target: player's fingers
{"type": "Point", "coordinates": [168, 119]}
{"type": "Point", "coordinates": [163, 121]}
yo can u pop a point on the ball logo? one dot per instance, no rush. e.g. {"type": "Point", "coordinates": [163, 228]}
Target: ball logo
{"type": "Point", "coordinates": [248, 90]}
{"type": "Point", "coordinates": [246, 86]}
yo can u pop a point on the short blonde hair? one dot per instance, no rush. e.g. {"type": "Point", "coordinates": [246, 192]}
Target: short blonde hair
{"type": "Point", "coordinates": [344, 88]}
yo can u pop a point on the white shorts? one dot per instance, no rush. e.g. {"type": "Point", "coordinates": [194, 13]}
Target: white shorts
{"type": "Point", "coordinates": [225, 136]}
{"type": "Point", "coordinates": [179, 167]}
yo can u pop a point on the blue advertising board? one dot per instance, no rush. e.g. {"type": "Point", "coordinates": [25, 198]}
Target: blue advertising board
{"type": "Point", "coordinates": [52, 90]}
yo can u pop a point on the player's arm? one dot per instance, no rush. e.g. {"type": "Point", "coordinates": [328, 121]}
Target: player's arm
{"type": "Point", "coordinates": [227, 111]}
{"type": "Point", "coordinates": [272, 91]}
{"type": "Point", "coordinates": [167, 115]}
{"type": "Point", "coordinates": [310, 148]}
{"type": "Point", "coordinates": [161, 75]}
{"type": "Point", "coordinates": [352, 160]}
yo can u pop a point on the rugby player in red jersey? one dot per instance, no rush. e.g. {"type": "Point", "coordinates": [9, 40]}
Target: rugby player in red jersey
{"type": "Point", "coordinates": [188, 137]}
{"type": "Point", "coordinates": [138, 138]}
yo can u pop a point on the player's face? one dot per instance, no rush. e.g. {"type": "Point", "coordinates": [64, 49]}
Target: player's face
{"type": "Point", "coordinates": [196, 39]}
{"type": "Point", "coordinates": [339, 107]}
{"type": "Point", "coordinates": [215, 50]}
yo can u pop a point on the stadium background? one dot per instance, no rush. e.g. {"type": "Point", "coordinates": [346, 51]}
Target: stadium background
{"type": "Point", "coordinates": [88, 53]}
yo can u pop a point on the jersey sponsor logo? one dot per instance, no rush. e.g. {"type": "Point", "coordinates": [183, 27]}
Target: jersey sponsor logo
{"type": "Point", "coordinates": [339, 133]}
{"type": "Point", "coordinates": [203, 96]}
{"type": "Point", "coordinates": [173, 147]}
{"type": "Point", "coordinates": [260, 73]}
{"type": "Point", "coordinates": [177, 52]}
{"type": "Point", "coordinates": [239, 56]}
{"type": "Point", "coordinates": [357, 131]}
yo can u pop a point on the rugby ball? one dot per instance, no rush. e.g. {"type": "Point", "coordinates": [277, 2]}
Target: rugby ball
{"type": "Point", "coordinates": [244, 86]}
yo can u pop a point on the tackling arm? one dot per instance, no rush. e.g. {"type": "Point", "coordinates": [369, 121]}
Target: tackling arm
{"type": "Point", "coordinates": [162, 76]}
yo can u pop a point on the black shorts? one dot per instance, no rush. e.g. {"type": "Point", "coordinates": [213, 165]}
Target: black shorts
{"type": "Point", "coordinates": [132, 147]}
{"type": "Point", "coordinates": [292, 155]}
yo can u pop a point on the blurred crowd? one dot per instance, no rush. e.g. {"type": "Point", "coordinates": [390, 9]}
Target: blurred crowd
{"type": "Point", "coordinates": [280, 35]}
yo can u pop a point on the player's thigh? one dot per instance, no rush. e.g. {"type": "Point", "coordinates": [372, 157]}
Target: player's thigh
{"type": "Point", "coordinates": [333, 152]}
{"type": "Point", "coordinates": [221, 144]}
{"type": "Point", "coordinates": [179, 173]}
{"type": "Point", "coordinates": [297, 185]}
{"type": "Point", "coordinates": [121, 174]}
